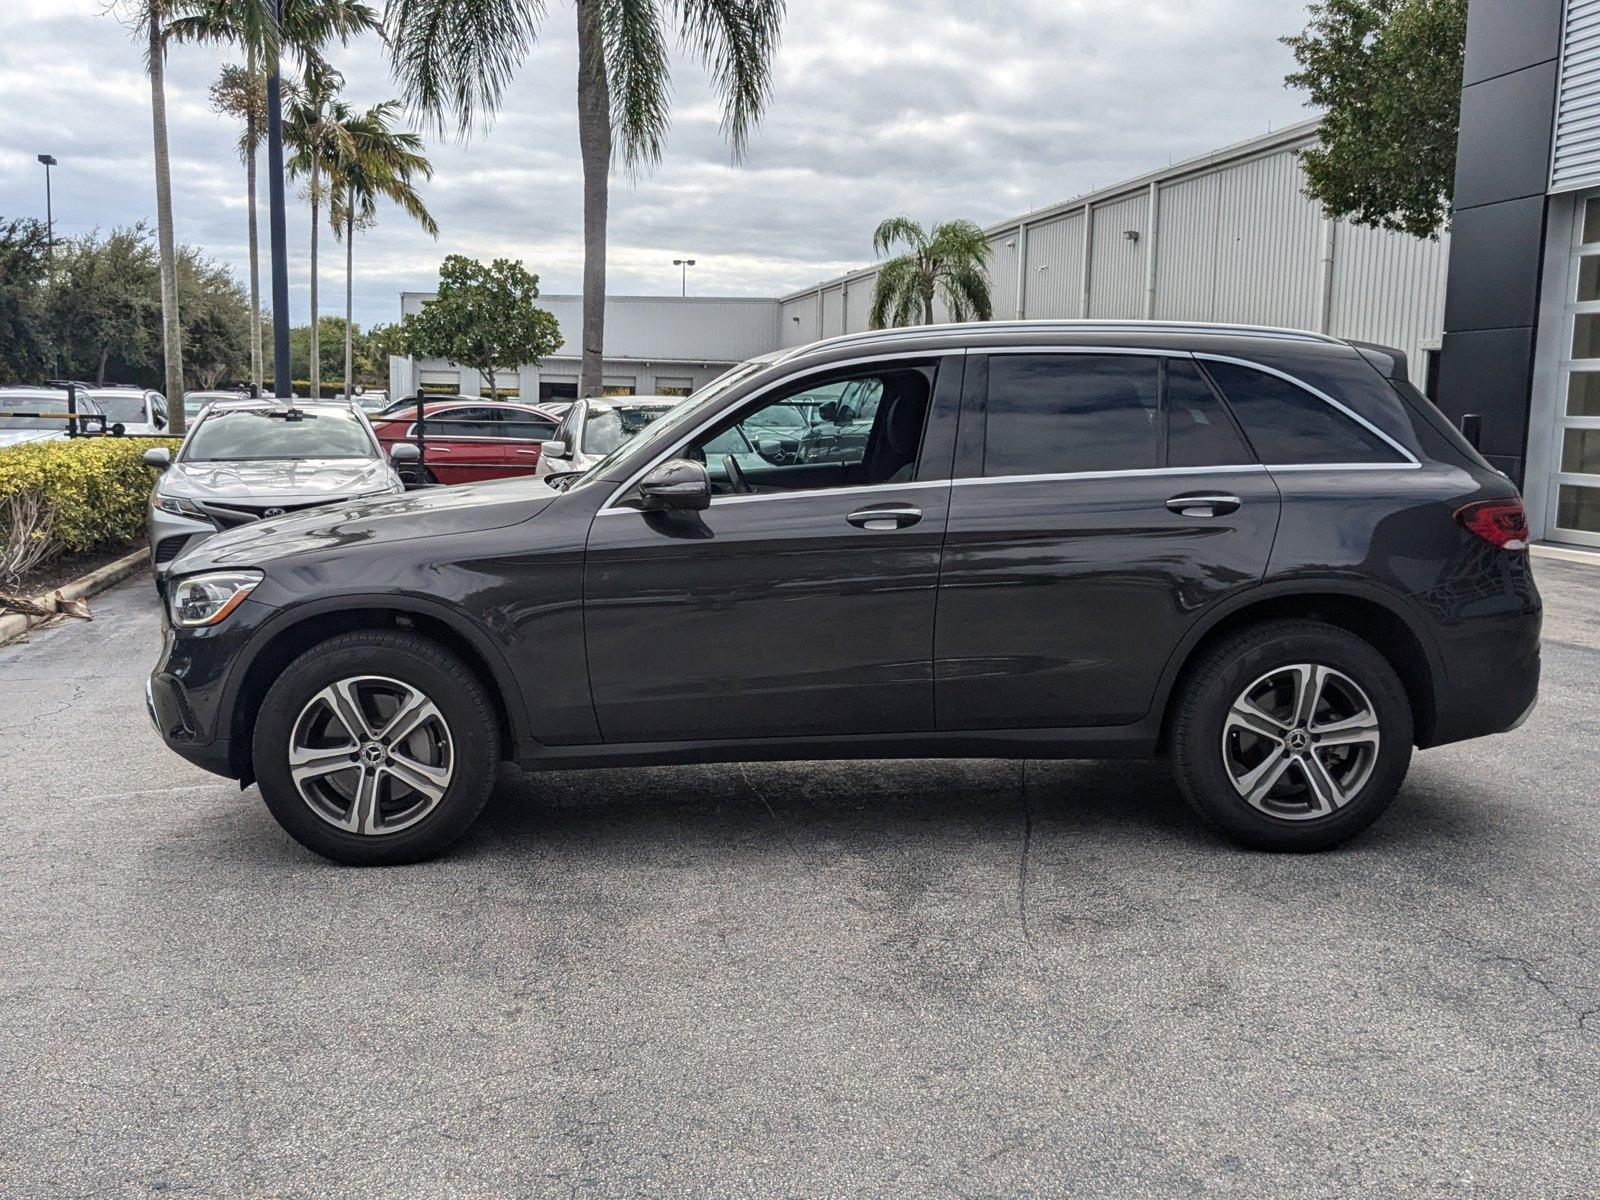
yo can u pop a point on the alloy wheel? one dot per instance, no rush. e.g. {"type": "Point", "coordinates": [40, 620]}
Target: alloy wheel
{"type": "Point", "coordinates": [371, 755]}
{"type": "Point", "coordinates": [1300, 742]}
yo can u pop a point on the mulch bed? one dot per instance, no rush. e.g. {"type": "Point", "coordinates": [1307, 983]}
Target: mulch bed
{"type": "Point", "coordinates": [58, 571]}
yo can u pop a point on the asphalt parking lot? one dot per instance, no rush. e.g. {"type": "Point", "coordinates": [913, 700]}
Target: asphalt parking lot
{"type": "Point", "coordinates": [844, 979]}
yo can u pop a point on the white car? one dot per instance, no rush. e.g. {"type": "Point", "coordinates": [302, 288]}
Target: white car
{"type": "Point", "coordinates": [592, 429]}
{"type": "Point", "coordinates": [136, 409]}
{"type": "Point", "coordinates": [38, 414]}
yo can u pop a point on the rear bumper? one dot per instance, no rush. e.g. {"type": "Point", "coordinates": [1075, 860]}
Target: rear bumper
{"type": "Point", "coordinates": [1491, 675]}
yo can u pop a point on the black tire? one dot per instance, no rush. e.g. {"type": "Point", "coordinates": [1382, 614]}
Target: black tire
{"type": "Point", "coordinates": [1202, 714]}
{"type": "Point", "coordinates": [418, 663]}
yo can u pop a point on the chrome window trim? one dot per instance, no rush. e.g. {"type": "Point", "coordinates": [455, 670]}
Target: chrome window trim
{"type": "Point", "coordinates": [1320, 395]}
{"type": "Point", "coordinates": [1128, 351]}
{"type": "Point", "coordinates": [1136, 473]}
{"type": "Point", "coordinates": [814, 368]}
{"type": "Point", "coordinates": [855, 489]}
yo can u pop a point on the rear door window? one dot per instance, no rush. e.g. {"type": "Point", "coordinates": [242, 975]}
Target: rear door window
{"type": "Point", "coordinates": [1199, 431]}
{"type": "Point", "coordinates": [1289, 426]}
{"type": "Point", "coordinates": [1059, 414]}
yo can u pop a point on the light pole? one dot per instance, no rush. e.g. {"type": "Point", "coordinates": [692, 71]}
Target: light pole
{"type": "Point", "coordinates": [282, 373]}
{"type": "Point", "coordinates": [685, 264]}
{"type": "Point", "coordinates": [49, 160]}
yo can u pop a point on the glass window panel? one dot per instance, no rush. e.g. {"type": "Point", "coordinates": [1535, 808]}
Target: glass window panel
{"type": "Point", "coordinates": [1591, 221]}
{"type": "Point", "coordinates": [1589, 277]}
{"type": "Point", "coordinates": [1586, 336]}
{"type": "Point", "coordinates": [1288, 425]}
{"type": "Point", "coordinates": [1580, 452]}
{"type": "Point", "coordinates": [1057, 414]}
{"type": "Point", "coordinates": [1199, 433]}
{"type": "Point", "coordinates": [1583, 394]}
{"type": "Point", "coordinates": [1579, 508]}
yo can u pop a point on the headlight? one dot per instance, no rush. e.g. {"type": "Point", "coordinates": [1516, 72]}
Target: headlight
{"type": "Point", "coordinates": [173, 504]}
{"type": "Point", "coordinates": [207, 599]}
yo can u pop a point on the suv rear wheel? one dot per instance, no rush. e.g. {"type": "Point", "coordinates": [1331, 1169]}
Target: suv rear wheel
{"type": "Point", "coordinates": [1292, 735]}
{"type": "Point", "coordinates": [376, 748]}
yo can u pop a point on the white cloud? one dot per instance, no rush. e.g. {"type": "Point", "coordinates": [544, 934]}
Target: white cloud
{"type": "Point", "coordinates": [938, 108]}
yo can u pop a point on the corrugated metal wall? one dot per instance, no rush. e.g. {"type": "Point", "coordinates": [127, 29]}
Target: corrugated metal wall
{"type": "Point", "coordinates": [1117, 262]}
{"type": "Point", "coordinates": [1236, 240]}
{"type": "Point", "coordinates": [833, 311]}
{"type": "Point", "coordinates": [1389, 289]}
{"type": "Point", "coordinates": [1055, 268]}
{"type": "Point", "coordinates": [860, 303]}
{"type": "Point", "coordinates": [798, 321]}
{"type": "Point", "coordinates": [1576, 161]}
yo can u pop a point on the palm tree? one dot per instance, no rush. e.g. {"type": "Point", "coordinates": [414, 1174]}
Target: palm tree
{"type": "Point", "coordinates": [241, 92]}
{"type": "Point", "coordinates": [301, 27]}
{"type": "Point", "coordinates": [316, 131]}
{"type": "Point", "coordinates": [456, 57]}
{"type": "Point", "coordinates": [148, 17]}
{"type": "Point", "coordinates": [951, 262]}
{"type": "Point", "coordinates": [380, 163]}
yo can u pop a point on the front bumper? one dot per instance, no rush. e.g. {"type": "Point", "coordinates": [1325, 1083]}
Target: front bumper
{"type": "Point", "coordinates": [186, 693]}
{"type": "Point", "coordinates": [170, 535]}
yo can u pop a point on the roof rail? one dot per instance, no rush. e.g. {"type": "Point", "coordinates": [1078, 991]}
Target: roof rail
{"type": "Point", "coordinates": [911, 332]}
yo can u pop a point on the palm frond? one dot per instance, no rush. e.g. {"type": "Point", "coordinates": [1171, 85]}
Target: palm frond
{"type": "Point", "coordinates": [736, 41]}
{"type": "Point", "coordinates": [897, 230]}
{"type": "Point", "coordinates": [896, 294]}
{"type": "Point", "coordinates": [638, 77]}
{"type": "Point", "coordinates": [455, 58]}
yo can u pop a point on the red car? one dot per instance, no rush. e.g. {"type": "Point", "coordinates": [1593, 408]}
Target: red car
{"type": "Point", "coordinates": [465, 440]}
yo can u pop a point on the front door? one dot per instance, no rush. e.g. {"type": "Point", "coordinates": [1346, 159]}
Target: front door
{"type": "Point", "coordinates": [801, 603]}
{"type": "Point", "coordinates": [1110, 502]}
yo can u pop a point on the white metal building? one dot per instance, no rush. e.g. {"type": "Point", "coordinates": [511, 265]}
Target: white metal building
{"type": "Point", "coordinates": [1229, 236]}
{"type": "Point", "coordinates": [655, 344]}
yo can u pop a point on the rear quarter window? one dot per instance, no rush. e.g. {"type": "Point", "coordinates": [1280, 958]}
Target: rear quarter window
{"type": "Point", "coordinates": [1288, 425]}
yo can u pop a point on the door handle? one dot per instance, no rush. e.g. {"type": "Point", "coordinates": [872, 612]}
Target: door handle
{"type": "Point", "coordinates": [885, 517]}
{"type": "Point", "coordinates": [527, 452]}
{"type": "Point", "coordinates": [437, 449]}
{"type": "Point", "coordinates": [1204, 504]}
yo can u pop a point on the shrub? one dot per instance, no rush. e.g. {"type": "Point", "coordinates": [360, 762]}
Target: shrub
{"type": "Point", "coordinates": [73, 494]}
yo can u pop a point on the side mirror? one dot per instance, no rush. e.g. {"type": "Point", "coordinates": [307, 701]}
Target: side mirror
{"type": "Point", "coordinates": [118, 429]}
{"type": "Point", "coordinates": [158, 457]}
{"type": "Point", "coordinates": [1472, 429]}
{"type": "Point", "coordinates": [555, 449]}
{"type": "Point", "coordinates": [828, 412]}
{"type": "Point", "coordinates": [677, 485]}
{"type": "Point", "coordinates": [404, 452]}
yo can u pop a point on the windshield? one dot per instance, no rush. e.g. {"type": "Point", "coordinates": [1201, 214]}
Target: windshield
{"type": "Point", "coordinates": [43, 404]}
{"type": "Point", "coordinates": [124, 407]}
{"type": "Point", "coordinates": [679, 415]}
{"type": "Point", "coordinates": [244, 434]}
{"type": "Point", "coordinates": [609, 427]}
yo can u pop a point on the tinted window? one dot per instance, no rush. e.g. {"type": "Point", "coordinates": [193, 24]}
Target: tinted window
{"type": "Point", "coordinates": [31, 404]}
{"type": "Point", "coordinates": [126, 407]}
{"type": "Point", "coordinates": [467, 422]}
{"type": "Point", "coordinates": [242, 434]}
{"type": "Point", "coordinates": [1287, 424]}
{"type": "Point", "coordinates": [526, 426]}
{"type": "Point", "coordinates": [1055, 414]}
{"type": "Point", "coordinates": [610, 425]}
{"type": "Point", "coordinates": [1199, 433]}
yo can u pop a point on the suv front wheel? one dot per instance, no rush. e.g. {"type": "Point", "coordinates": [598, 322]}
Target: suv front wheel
{"type": "Point", "coordinates": [1292, 735]}
{"type": "Point", "coordinates": [376, 748]}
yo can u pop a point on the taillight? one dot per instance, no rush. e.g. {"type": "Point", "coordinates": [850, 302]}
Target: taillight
{"type": "Point", "coordinates": [1501, 523]}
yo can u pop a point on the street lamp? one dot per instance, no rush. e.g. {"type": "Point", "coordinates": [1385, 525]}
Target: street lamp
{"type": "Point", "coordinates": [685, 264]}
{"type": "Point", "coordinates": [49, 160]}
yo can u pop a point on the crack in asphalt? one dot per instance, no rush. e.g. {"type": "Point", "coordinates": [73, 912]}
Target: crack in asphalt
{"type": "Point", "coordinates": [1022, 862]}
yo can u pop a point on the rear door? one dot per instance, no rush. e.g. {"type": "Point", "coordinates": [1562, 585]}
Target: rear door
{"type": "Point", "coordinates": [522, 431]}
{"type": "Point", "coordinates": [1104, 500]}
{"type": "Point", "coordinates": [462, 444]}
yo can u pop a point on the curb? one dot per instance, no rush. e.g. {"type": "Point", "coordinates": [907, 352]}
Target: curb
{"type": "Point", "coordinates": [14, 625]}
{"type": "Point", "coordinates": [1589, 558]}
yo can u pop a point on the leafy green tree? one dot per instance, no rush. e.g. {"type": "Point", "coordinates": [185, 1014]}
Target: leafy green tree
{"type": "Point", "coordinates": [378, 162]}
{"type": "Point", "coordinates": [105, 302]}
{"type": "Point", "coordinates": [218, 332]}
{"type": "Point", "coordinates": [949, 262]}
{"type": "Point", "coordinates": [23, 352]}
{"type": "Point", "coordinates": [455, 58]}
{"type": "Point", "coordinates": [1388, 75]}
{"type": "Point", "coordinates": [484, 317]}
{"type": "Point", "coordinates": [381, 341]}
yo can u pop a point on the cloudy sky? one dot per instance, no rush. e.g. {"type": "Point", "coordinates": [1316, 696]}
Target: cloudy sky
{"type": "Point", "coordinates": [937, 108]}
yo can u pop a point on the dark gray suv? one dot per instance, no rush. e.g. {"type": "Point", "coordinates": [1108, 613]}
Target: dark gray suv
{"type": "Point", "coordinates": [1259, 553]}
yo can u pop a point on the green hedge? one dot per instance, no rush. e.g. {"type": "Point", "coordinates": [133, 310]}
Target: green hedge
{"type": "Point", "coordinates": [95, 489]}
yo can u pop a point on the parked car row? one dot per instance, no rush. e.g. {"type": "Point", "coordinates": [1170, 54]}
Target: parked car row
{"type": "Point", "coordinates": [40, 412]}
